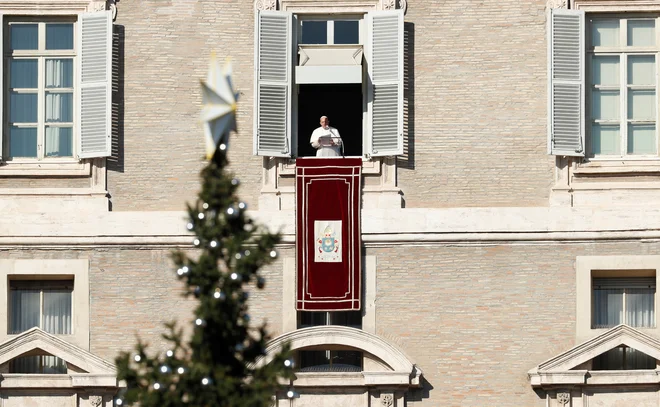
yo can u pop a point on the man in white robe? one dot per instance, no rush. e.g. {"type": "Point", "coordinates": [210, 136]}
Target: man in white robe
{"type": "Point", "coordinates": [326, 140]}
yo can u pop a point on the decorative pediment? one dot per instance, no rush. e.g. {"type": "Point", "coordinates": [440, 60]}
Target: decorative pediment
{"type": "Point", "coordinates": [38, 340]}
{"type": "Point", "coordinates": [566, 368]}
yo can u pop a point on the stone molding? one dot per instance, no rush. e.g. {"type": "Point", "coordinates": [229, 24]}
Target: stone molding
{"type": "Point", "coordinates": [401, 368]}
{"type": "Point", "coordinates": [558, 371]}
{"type": "Point", "coordinates": [609, 6]}
{"type": "Point", "coordinates": [36, 338]}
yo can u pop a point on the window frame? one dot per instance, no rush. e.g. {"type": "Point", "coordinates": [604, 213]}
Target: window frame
{"type": "Point", "coordinates": [50, 269]}
{"type": "Point", "coordinates": [609, 266]}
{"type": "Point", "coordinates": [300, 18]}
{"type": "Point", "coordinates": [41, 54]}
{"type": "Point", "coordinates": [623, 51]}
{"type": "Point", "coordinates": [625, 290]}
{"type": "Point", "coordinates": [41, 285]}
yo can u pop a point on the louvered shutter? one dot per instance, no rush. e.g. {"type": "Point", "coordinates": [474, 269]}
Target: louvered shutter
{"type": "Point", "coordinates": [566, 83]}
{"type": "Point", "coordinates": [273, 83]}
{"type": "Point", "coordinates": [94, 90]}
{"type": "Point", "coordinates": [385, 58]}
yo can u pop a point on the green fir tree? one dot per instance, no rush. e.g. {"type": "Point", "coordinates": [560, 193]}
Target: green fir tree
{"type": "Point", "coordinates": [216, 366]}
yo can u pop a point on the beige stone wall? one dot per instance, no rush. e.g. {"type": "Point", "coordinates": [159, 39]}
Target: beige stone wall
{"type": "Point", "coordinates": [134, 291]}
{"type": "Point", "coordinates": [479, 102]}
{"type": "Point", "coordinates": [477, 318]}
{"type": "Point", "coordinates": [166, 52]}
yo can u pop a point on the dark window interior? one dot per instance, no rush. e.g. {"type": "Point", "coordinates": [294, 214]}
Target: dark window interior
{"type": "Point", "coordinates": [351, 319]}
{"type": "Point", "coordinates": [314, 32]}
{"type": "Point", "coordinates": [330, 361]}
{"type": "Point", "coordinates": [342, 103]}
{"type": "Point", "coordinates": [347, 32]}
{"type": "Point", "coordinates": [623, 358]}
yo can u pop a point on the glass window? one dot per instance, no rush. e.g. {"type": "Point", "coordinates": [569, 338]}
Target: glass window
{"type": "Point", "coordinates": [330, 361]}
{"type": "Point", "coordinates": [629, 301]}
{"type": "Point", "coordinates": [623, 82]}
{"type": "Point", "coordinates": [347, 32]}
{"type": "Point", "coordinates": [41, 73]}
{"type": "Point", "coordinates": [314, 32]}
{"type": "Point", "coordinates": [38, 364]}
{"type": "Point", "coordinates": [623, 358]}
{"type": "Point", "coordinates": [43, 304]}
{"type": "Point", "coordinates": [351, 319]}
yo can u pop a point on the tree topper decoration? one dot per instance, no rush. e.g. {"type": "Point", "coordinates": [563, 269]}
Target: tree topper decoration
{"type": "Point", "coordinates": [219, 110]}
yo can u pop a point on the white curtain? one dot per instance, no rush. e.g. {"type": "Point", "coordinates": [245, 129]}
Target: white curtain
{"type": "Point", "coordinates": [608, 307]}
{"type": "Point", "coordinates": [59, 107]}
{"type": "Point", "coordinates": [24, 310]}
{"type": "Point", "coordinates": [57, 312]}
{"type": "Point", "coordinates": [640, 307]}
{"type": "Point", "coordinates": [38, 364]}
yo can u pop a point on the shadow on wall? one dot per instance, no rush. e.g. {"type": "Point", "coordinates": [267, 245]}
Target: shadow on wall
{"type": "Point", "coordinates": [116, 160]}
{"type": "Point", "coordinates": [407, 160]}
{"type": "Point", "coordinates": [421, 393]}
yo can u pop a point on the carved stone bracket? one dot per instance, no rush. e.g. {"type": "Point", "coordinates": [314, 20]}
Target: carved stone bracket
{"type": "Point", "coordinates": [550, 4]}
{"type": "Point", "coordinates": [563, 398]}
{"type": "Point", "coordinates": [395, 4]}
{"type": "Point", "coordinates": [265, 5]}
{"type": "Point", "coordinates": [95, 401]}
{"type": "Point", "coordinates": [386, 400]}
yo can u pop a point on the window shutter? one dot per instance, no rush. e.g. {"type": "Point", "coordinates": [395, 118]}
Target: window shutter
{"type": "Point", "coordinates": [95, 81]}
{"type": "Point", "coordinates": [566, 83]}
{"type": "Point", "coordinates": [385, 62]}
{"type": "Point", "coordinates": [273, 79]}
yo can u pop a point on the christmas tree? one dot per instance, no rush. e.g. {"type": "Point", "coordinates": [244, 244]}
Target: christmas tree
{"type": "Point", "coordinates": [217, 366]}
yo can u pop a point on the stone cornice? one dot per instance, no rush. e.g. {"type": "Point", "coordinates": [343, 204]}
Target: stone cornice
{"type": "Point", "coordinates": [379, 227]}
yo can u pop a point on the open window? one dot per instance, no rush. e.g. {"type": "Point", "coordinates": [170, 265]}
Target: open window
{"type": "Point", "coordinates": [56, 87]}
{"type": "Point", "coordinates": [349, 68]}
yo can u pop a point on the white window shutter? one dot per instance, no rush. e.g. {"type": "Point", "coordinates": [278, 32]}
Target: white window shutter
{"type": "Point", "coordinates": [95, 81]}
{"type": "Point", "coordinates": [566, 116]}
{"type": "Point", "coordinates": [273, 83]}
{"type": "Point", "coordinates": [385, 63]}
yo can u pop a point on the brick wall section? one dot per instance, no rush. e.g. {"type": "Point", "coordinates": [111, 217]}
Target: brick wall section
{"type": "Point", "coordinates": [166, 52]}
{"type": "Point", "coordinates": [133, 292]}
{"type": "Point", "coordinates": [476, 319]}
{"type": "Point", "coordinates": [479, 102]}
{"type": "Point", "coordinates": [479, 105]}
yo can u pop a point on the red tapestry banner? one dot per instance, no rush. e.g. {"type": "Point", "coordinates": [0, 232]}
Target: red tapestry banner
{"type": "Point", "coordinates": [328, 246]}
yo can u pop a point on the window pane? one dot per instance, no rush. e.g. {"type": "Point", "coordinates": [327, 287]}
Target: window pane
{"type": "Point", "coordinates": [641, 33]}
{"type": "Point", "coordinates": [23, 73]}
{"type": "Point", "coordinates": [57, 312]}
{"type": "Point", "coordinates": [610, 360]}
{"type": "Point", "coordinates": [59, 107]}
{"type": "Point", "coordinates": [641, 70]}
{"type": "Point", "coordinates": [53, 365]}
{"type": "Point", "coordinates": [641, 104]}
{"type": "Point", "coordinates": [640, 307]}
{"type": "Point", "coordinates": [346, 361]}
{"type": "Point", "coordinates": [59, 73]}
{"type": "Point", "coordinates": [605, 33]}
{"type": "Point", "coordinates": [347, 32]}
{"type": "Point", "coordinates": [605, 70]}
{"type": "Point", "coordinates": [38, 364]}
{"type": "Point", "coordinates": [641, 139]}
{"type": "Point", "coordinates": [636, 360]}
{"type": "Point", "coordinates": [605, 140]}
{"type": "Point", "coordinates": [24, 36]}
{"type": "Point", "coordinates": [605, 105]}
{"type": "Point", "coordinates": [347, 318]}
{"type": "Point", "coordinates": [22, 142]}
{"type": "Point", "coordinates": [59, 36]}
{"type": "Point", "coordinates": [22, 107]}
{"type": "Point", "coordinates": [24, 310]}
{"type": "Point", "coordinates": [314, 32]}
{"type": "Point", "coordinates": [608, 307]}
{"type": "Point", "coordinates": [314, 360]}
{"type": "Point", "coordinates": [308, 319]}
{"type": "Point", "coordinates": [59, 141]}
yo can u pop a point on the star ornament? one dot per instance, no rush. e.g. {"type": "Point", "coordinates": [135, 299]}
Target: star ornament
{"type": "Point", "coordinates": [219, 110]}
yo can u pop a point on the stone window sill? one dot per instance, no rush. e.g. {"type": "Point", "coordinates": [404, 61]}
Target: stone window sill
{"type": "Point", "coordinates": [618, 166]}
{"type": "Point", "coordinates": [46, 168]}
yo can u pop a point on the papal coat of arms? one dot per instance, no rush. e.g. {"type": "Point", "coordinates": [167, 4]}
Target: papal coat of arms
{"type": "Point", "coordinates": [327, 241]}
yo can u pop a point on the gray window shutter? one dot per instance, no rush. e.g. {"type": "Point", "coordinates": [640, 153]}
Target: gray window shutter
{"type": "Point", "coordinates": [94, 90]}
{"type": "Point", "coordinates": [273, 83]}
{"type": "Point", "coordinates": [566, 126]}
{"type": "Point", "coordinates": [385, 63]}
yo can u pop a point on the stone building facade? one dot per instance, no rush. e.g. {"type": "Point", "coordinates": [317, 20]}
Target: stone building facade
{"type": "Point", "coordinates": [483, 255]}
